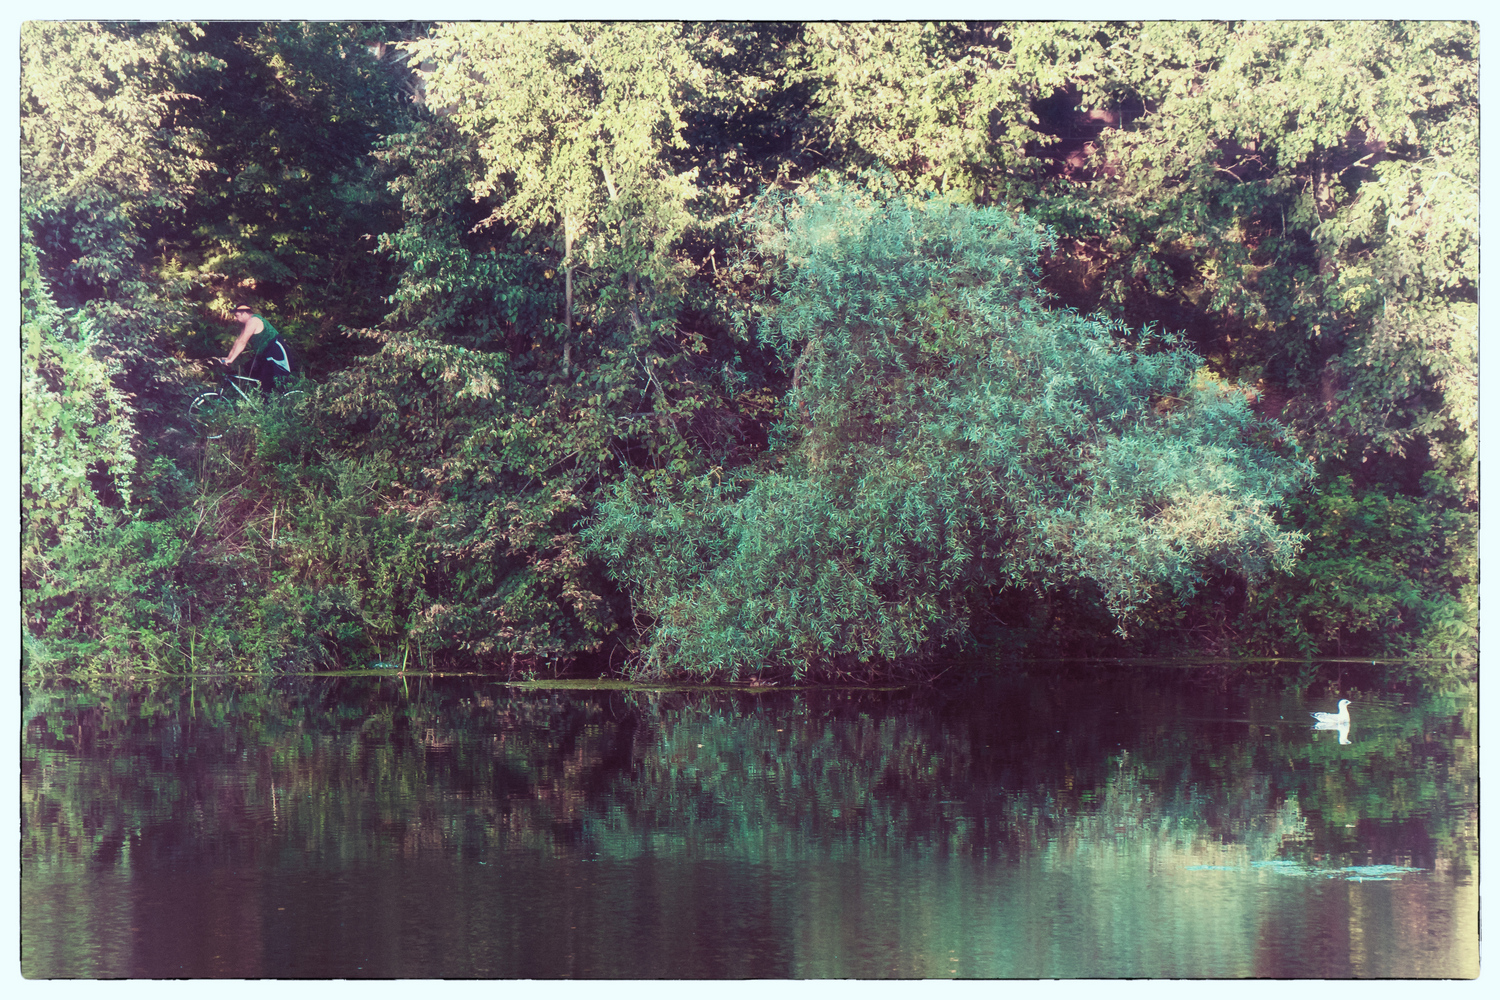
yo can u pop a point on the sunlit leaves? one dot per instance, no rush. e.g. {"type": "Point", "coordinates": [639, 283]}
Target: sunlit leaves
{"type": "Point", "coordinates": [1333, 169]}
{"type": "Point", "coordinates": [73, 422]}
{"type": "Point", "coordinates": [105, 149]}
{"type": "Point", "coordinates": [573, 123]}
{"type": "Point", "coordinates": [99, 115]}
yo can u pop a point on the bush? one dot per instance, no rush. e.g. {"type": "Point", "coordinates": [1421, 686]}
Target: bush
{"type": "Point", "coordinates": [1382, 572]}
{"type": "Point", "coordinates": [948, 438]}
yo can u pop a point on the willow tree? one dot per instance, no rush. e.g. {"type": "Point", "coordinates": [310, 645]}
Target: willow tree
{"type": "Point", "coordinates": [949, 437]}
{"type": "Point", "coordinates": [1300, 198]}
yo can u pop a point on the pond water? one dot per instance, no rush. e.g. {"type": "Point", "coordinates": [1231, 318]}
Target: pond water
{"type": "Point", "coordinates": [1125, 823]}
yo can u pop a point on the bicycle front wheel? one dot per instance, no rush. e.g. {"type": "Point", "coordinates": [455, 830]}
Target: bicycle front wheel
{"type": "Point", "coordinates": [209, 414]}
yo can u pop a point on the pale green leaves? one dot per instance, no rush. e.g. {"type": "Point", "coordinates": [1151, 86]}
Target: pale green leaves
{"type": "Point", "coordinates": [97, 119]}
{"type": "Point", "coordinates": [74, 424]}
{"type": "Point", "coordinates": [953, 438]}
{"type": "Point", "coordinates": [914, 98]}
{"type": "Point", "coordinates": [568, 118]}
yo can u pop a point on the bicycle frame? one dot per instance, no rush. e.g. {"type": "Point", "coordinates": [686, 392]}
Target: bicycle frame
{"type": "Point", "coordinates": [233, 382]}
{"type": "Point", "coordinates": [209, 410]}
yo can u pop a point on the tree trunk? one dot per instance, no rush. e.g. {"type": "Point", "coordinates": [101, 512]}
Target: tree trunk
{"type": "Point", "coordinates": [1323, 205]}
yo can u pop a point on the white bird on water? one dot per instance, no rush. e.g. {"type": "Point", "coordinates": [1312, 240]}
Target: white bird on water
{"type": "Point", "coordinates": [1337, 721]}
{"type": "Point", "coordinates": [1341, 717]}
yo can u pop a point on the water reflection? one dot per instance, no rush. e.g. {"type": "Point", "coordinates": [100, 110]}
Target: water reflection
{"type": "Point", "coordinates": [456, 827]}
{"type": "Point", "coordinates": [1341, 727]}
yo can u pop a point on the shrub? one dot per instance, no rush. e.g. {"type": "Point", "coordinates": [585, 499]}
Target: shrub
{"type": "Point", "coordinates": [948, 437]}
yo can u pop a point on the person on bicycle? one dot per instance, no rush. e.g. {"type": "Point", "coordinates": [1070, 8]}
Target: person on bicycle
{"type": "Point", "coordinates": [271, 359]}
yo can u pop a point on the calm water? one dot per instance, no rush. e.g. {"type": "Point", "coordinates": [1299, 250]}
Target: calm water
{"type": "Point", "coordinates": [1145, 823]}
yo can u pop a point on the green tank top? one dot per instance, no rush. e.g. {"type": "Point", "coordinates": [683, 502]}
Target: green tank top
{"type": "Point", "coordinates": [262, 340]}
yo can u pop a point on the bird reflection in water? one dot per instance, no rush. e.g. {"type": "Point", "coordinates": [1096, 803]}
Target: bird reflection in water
{"type": "Point", "coordinates": [1336, 721]}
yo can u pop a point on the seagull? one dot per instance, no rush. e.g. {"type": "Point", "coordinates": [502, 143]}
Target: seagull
{"type": "Point", "coordinates": [1341, 717]}
{"type": "Point", "coordinates": [1337, 721]}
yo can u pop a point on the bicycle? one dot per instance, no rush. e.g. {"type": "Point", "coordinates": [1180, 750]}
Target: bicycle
{"type": "Point", "coordinates": [210, 411]}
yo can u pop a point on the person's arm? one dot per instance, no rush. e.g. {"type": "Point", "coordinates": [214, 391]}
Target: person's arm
{"type": "Point", "coordinates": [251, 329]}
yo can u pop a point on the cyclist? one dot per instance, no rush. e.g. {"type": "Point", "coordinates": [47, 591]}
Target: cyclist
{"type": "Point", "coordinates": [271, 359]}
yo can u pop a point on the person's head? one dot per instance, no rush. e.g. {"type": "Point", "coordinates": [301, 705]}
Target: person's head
{"type": "Point", "coordinates": [242, 312]}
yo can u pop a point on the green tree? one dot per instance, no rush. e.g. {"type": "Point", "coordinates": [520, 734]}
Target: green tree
{"type": "Point", "coordinates": [948, 437]}
{"type": "Point", "coordinates": [541, 206]}
{"type": "Point", "coordinates": [1381, 570]}
{"type": "Point", "coordinates": [106, 159]}
{"type": "Point", "coordinates": [1304, 197]}
{"type": "Point", "coordinates": [941, 107]}
{"type": "Point", "coordinates": [125, 130]}
{"type": "Point", "coordinates": [110, 157]}
{"type": "Point", "coordinates": [1315, 188]}
{"type": "Point", "coordinates": [462, 507]}
{"type": "Point", "coordinates": [290, 113]}
{"type": "Point", "coordinates": [572, 125]}
{"type": "Point", "coordinates": [579, 297]}
{"type": "Point", "coordinates": [93, 572]}
{"type": "Point", "coordinates": [105, 153]}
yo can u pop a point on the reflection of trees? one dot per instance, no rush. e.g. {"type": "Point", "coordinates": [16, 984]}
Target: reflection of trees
{"type": "Point", "coordinates": [364, 766]}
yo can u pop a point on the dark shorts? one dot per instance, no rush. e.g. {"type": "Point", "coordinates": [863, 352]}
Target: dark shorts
{"type": "Point", "coordinates": [272, 363]}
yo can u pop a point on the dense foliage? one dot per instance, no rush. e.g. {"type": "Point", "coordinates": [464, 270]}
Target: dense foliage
{"type": "Point", "coordinates": [956, 439]}
{"type": "Point", "coordinates": [768, 347]}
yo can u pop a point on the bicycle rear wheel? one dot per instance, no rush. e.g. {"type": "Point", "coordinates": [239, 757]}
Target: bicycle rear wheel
{"type": "Point", "coordinates": [296, 402]}
{"type": "Point", "coordinates": [209, 413]}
